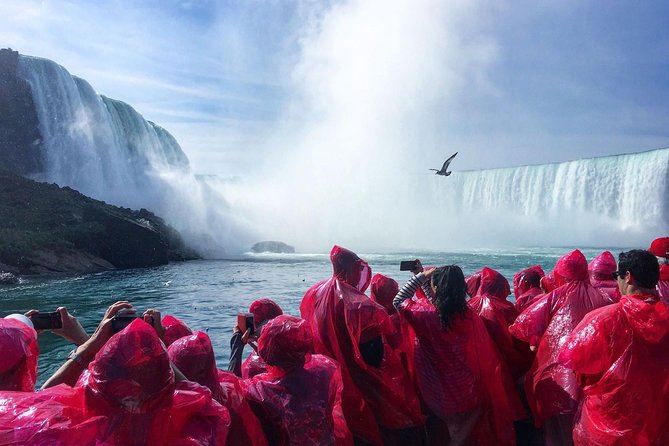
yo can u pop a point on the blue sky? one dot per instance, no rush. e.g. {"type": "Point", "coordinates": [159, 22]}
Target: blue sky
{"type": "Point", "coordinates": [502, 82]}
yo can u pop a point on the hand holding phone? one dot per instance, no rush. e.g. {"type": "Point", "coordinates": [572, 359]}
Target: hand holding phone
{"type": "Point", "coordinates": [46, 321]}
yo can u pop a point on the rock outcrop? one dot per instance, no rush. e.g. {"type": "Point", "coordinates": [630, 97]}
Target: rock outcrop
{"type": "Point", "coordinates": [272, 246]}
{"type": "Point", "coordinates": [45, 228]}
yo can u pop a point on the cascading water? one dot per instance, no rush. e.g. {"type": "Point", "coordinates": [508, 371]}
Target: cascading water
{"type": "Point", "coordinates": [106, 150]}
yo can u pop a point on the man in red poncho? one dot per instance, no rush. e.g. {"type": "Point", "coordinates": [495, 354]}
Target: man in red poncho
{"type": "Point", "coordinates": [551, 388]}
{"type": "Point", "coordinates": [601, 269]}
{"type": "Point", "coordinates": [619, 355]}
{"type": "Point", "coordinates": [298, 398]}
{"type": "Point", "coordinates": [18, 347]}
{"type": "Point", "coordinates": [660, 247]}
{"type": "Point", "coordinates": [350, 328]}
{"type": "Point", "coordinates": [527, 286]}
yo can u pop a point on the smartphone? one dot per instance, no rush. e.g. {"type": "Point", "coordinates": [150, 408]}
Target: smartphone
{"type": "Point", "coordinates": [408, 265]}
{"type": "Point", "coordinates": [120, 321]}
{"type": "Point", "coordinates": [47, 321]}
{"type": "Point", "coordinates": [244, 321]}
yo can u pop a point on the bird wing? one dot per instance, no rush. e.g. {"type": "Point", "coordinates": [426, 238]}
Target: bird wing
{"type": "Point", "coordinates": [448, 161]}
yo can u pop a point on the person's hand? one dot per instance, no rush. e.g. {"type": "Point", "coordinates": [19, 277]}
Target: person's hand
{"type": "Point", "coordinates": [104, 330]}
{"type": "Point", "coordinates": [29, 314]}
{"type": "Point", "coordinates": [418, 268]}
{"type": "Point", "coordinates": [248, 338]}
{"type": "Point", "coordinates": [152, 317]}
{"type": "Point", "coordinates": [72, 329]}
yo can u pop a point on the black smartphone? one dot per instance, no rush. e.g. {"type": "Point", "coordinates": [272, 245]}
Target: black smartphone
{"type": "Point", "coordinates": [245, 321]}
{"type": "Point", "coordinates": [120, 321]}
{"type": "Point", "coordinates": [408, 265]}
{"type": "Point", "coordinates": [47, 321]}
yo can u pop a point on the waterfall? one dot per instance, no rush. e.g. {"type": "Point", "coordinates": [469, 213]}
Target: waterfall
{"type": "Point", "coordinates": [106, 150]}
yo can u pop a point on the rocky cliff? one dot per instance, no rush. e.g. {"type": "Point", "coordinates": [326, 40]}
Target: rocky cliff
{"type": "Point", "coordinates": [46, 228]}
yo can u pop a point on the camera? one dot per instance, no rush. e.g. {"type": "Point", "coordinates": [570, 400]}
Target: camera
{"type": "Point", "coordinates": [122, 319]}
{"type": "Point", "coordinates": [47, 321]}
{"type": "Point", "coordinates": [408, 265]}
{"type": "Point", "coordinates": [245, 321]}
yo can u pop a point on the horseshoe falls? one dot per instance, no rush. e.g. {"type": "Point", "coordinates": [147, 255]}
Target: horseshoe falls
{"type": "Point", "coordinates": [106, 150]}
{"type": "Point", "coordinates": [620, 200]}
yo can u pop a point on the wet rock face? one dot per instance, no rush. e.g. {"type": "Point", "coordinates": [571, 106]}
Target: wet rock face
{"type": "Point", "coordinates": [272, 246]}
{"type": "Point", "coordinates": [20, 139]}
{"type": "Point", "coordinates": [8, 278]}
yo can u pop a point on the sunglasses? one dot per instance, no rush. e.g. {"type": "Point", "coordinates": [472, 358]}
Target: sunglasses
{"type": "Point", "coordinates": [617, 274]}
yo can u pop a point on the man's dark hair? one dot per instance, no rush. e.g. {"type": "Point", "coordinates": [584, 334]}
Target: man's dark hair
{"type": "Point", "coordinates": [642, 265]}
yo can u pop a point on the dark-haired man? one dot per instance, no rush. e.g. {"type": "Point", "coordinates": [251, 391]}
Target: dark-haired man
{"type": "Point", "coordinates": [619, 355]}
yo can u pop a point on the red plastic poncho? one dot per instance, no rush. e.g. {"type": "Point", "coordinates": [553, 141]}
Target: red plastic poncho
{"type": "Point", "coordinates": [383, 290]}
{"type": "Point", "coordinates": [174, 329]}
{"type": "Point", "coordinates": [551, 388]}
{"type": "Point", "coordinates": [458, 372]}
{"type": "Point", "coordinates": [341, 318]}
{"type": "Point", "coordinates": [601, 275]}
{"type": "Point", "coordinates": [527, 285]}
{"type": "Point", "coordinates": [620, 353]}
{"type": "Point", "coordinates": [194, 357]}
{"type": "Point", "coordinates": [18, 356]}
{"type": "Point", "coordinates": [299, 398]}
{"type": "Point", "coordinates": [128, 398]}
{"type": "Point", "coordinates": [263, 310]}
{"type": "Point", "coordinates": [473, 283]}
{"type": "Point", "coordinates": [498, 314]}
{"type": "Point", "coordinates": [547, 283]}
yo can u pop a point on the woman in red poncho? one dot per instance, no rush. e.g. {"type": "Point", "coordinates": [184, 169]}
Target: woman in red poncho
{"type": "Point", "coordinates": [298, 399]}
{"type": "Point", "coordinates": [551, 388]}
{"type": "Point", "coordinates": [601, 269]}
{"type": "Point", "coordinates": [456, 363]}
{"type": "Point", "coordinates": [194, 357]}
{"type": "Point", "coordinates": [498, 314]}
{"type": "Point", "coordinates": [660, 248]}
{"type": "Point", "coordinates": [174, 329]}
{"type": "Point", "coordinates": [619, 355]}
{"type": "Point", "coordinates": [350, 328]}
{"type": "Point", "coordinates": [527, 286]}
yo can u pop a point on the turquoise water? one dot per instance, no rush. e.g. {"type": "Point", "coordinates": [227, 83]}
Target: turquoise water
{"type": "Point", "coordinates": [208, 294]}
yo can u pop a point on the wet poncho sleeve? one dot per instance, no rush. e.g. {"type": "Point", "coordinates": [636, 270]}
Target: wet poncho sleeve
{"type": "Point", "coordinates": [409, 289]}
{"type": "Point", "coordinates": [236, 350]}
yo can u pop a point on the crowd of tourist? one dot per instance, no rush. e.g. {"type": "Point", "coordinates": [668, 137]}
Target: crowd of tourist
{"type": "Point", "coordinates": [580, 356]}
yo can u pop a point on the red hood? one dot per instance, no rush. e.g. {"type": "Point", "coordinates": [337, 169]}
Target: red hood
{"type": "Point", "coordinates": [649, 320]}
{"type": "Point", "coordinates": [664, 272]}
{"type": "Point", "coordinates": [602, 266]}
{"type": "Point", "coordinates": [473, 284]}
{"type": "Point", "coordinates": [285, 342]}
{"type": "Point", "coordinates": [18, 363]}
{"type": "Point", "coordinates": [571, 267]}
{"type": "Point", "coordinates": [350, 268]}
{"type": "Point", "coordinates": [194, 357]}
{"type": "Point", "coordinates": [383, 290]}
{"type": "Point", "coordinates": [264, 310]}
{"type": "Point", "coordinates": [174, 329]}
{"type": "Point", "coordinates": [526, 279]}
{"type": "Point", "coordinates": [494, 284]}
{"type": "Point", "coordinates": [131, 373]}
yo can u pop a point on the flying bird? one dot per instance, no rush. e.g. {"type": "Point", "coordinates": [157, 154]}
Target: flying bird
{"type": "Point", "coordinates": [444, 168]}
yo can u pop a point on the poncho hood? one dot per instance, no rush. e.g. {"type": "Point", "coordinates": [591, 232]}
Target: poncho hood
{"type": "Point", "coordinates": [383, 290]}
{"type": "Point", "coordinates": [648, 318]}
{"type": "Point", "coordinates": [494, 284]}
{"type": "Point", "coordinates": [571, 267]}
{"type": "Point", "coordinates": [526, 279]}
{"type": "Point", "coordinates": [350, 268]}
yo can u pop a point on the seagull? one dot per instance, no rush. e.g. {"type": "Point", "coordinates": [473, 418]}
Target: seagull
{"type": "Point", "coordinates": [445, 166]}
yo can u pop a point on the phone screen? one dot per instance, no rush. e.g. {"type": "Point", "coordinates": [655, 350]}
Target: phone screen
{"type": "Point", "coordinates": [407, 265]}
{"type": "Point", "coordinates": [47, 321]}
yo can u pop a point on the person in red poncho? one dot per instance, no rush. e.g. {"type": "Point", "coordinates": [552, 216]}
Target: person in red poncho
{"type": "Point", "coordinates": [619, 355]}
{"type": "Point", "coordinates": [298, 398]}
{"type": "Point", "coordinates": [174, 329]}
{"type": "Point", "coordinates": [194, 357]}
{"type": "Point", "coordinates": [18, 354]}
{"type": "Point", "coordinates": [128, 397]}
{"type": "Point", "coordinates": [352, 329]}
{"type": "Point", "coordinates": [498, 314]}
{"type": "Point", "coordinates": [601, 269]}
{"type": "Point", "coordinates": [551, 388]}
{"type": "Point", "coordinates": [527, 286]}
{"type": "Point", "coordinates": [660, 248]}
{"type": "Point", "coordinates": [263, 310]}
{"type": "Point", "coordinates": [456, 363]}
